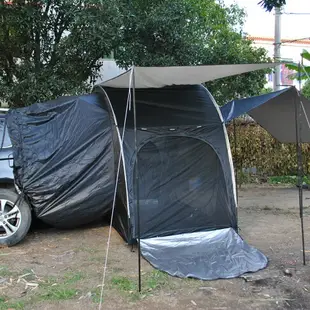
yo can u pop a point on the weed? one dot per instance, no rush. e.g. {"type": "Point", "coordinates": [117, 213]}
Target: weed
{"type": "Point", "coordinates": [58, 292]}
{"type": "Point", "coordinates": [30, 276]}
{"type": "Point", "coordinates": [71, 278]}
{"type": "Point", "coordinates": [5, 304]}
{"type": "Point", "coordinates": [95, 295]}
{"type": "Point", "coordinates": [135, 296]}
{"type": "Point", "coordinates": [5, 272]}
{"type": "Point", "coordinates": [156, 279]}
{"type": "Point", "coordinates": [150, 282]}
{"type": "Point", "coordinates": [123, 284]}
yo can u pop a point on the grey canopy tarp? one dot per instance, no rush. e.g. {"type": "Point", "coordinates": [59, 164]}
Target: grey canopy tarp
{"type": "Point", "coordinates": [157, 77]}
{"type": "Point", "coordinates": [285, 115]}
{"type": "Point", "coordinates": [276, 112]}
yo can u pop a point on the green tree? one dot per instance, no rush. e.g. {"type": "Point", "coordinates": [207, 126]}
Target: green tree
{"type": "Point", "coordinates": [270, 4]}
{"type": "Point", "coordinates": [302, 72]}
{"type": "Point", "coordinates": [50, 48]}
{"type": "Point", "coordinates": [306, 90]}
{"type": "Point", "coordinates": [192, 32]}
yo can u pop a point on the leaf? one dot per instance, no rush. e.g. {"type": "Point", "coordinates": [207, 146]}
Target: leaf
{"type": "Point", "coordinates": [305, 54]}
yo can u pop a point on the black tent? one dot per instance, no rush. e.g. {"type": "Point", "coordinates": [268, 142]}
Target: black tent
{"type": "Point", "coordinates": [185, 172]}
{"type": "Point", "coordinates": [155, 154]}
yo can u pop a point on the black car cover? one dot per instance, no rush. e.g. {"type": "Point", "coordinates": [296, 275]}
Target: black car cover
{"type": "Point", "coordinates": [64, 158]}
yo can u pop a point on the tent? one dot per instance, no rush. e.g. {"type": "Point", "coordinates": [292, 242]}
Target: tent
{"type": "Point", "coordinates": [285, 115]}
{"type": "Point", "coordinates": [177, 171]}
{"type": "Point", "coordinates": [185, 171]}
{"type": "Point", "coordinates": [183, 191]}
{"type": "Point", "coordinates": [64, 158]}
{"type": "Point", "coordinates": [151, 148]}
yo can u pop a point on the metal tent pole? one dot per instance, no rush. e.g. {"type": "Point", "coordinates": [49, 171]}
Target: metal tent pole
{"type": "Point", "coordinates": [298, 113]}
{"type": "Point", "coordinates": [236, 171]}
{"type": "Point", "coordinates": [236, 165]}
{"type": "Point", "coordinates": [137, 176]}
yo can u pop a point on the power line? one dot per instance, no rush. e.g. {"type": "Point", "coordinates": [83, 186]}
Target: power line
{"type": "Point", "coordinates": [296, 13]}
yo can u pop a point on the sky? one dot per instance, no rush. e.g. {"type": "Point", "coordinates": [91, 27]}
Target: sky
{"type": "Point", "coordinates": [261, 23]}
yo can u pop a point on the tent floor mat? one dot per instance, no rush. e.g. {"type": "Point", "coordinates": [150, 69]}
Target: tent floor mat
{"type": "Point", "coordinates": [207, 255]}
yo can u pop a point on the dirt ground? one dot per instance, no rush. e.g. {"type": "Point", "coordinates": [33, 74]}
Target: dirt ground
{"type": "Point", "coordinates": [54, 269]}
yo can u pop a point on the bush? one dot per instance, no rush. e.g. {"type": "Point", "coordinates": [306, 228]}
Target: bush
{"type": "Point", "coordinates": [255, 147]}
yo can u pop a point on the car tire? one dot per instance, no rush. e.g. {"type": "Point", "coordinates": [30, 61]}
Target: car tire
{"type": "Point", "coordinates": [15, 220]}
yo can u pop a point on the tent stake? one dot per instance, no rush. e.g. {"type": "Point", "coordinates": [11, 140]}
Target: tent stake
{"type": "Point", "coordinates": [137, 176]}
{"type": "Point", "coordinates": [300, 165]}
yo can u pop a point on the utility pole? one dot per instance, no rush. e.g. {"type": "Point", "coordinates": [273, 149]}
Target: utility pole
{"type": "Point", "coordinates": [277, 49]}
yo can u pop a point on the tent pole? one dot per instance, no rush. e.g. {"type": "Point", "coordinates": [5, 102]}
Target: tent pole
{"type": "Point", "coordinates": [137, 176]}
{"type": "Point", "coordinates": [300, 165]}
{"type": "Point", "coordinates": [236, 171]}
{"type": "Point", "coordinates": [236, 165]}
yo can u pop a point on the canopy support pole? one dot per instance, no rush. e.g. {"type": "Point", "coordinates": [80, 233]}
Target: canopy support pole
{"type": "Point", "coordinates": [298, 113]}
{"type": "Point", "coordinates": [236, 165]}
{"type": "Point", "coordinates": [137, 176]}
{"type": "Point", "coordinates": [300, 180]}
{"type": "Point", "coordinates": [236, 171]}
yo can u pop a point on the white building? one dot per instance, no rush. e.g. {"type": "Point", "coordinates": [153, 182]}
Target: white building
{"type": "Point", "coordinates": [290, 51]}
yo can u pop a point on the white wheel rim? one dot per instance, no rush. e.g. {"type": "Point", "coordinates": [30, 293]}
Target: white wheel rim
{"type": "Point", "coordinates": [10, 218]}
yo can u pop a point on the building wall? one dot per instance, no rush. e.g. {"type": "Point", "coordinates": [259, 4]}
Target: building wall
{"type": "Point", "coordinates": [290, 51]}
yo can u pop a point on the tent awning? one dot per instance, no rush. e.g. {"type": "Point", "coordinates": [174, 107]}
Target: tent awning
{"type": "Point", "coordinates": [236, 108]}
{"type": "Point", "coordinates": [276, 112]}
{"type": "Point", "coordinates": [157, 77]}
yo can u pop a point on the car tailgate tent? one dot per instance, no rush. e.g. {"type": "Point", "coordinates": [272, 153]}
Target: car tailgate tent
{"type": "Point", "coordinates": [151, 148]}
{"type": "Point", "coordinates": [64, 158]}
{"type": "Point", "coordinates": [178, 185]}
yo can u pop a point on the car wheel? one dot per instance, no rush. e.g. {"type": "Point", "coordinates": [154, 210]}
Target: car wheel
{"type": "Point", "coordinates": [15, 220]}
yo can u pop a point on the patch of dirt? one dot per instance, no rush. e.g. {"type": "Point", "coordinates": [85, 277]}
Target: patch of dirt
{"type": "Point", "coordinates": [67, 266]}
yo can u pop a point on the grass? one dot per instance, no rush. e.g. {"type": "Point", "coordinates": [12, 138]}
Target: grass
{"type": "Point", "coordinates": [123, 284]}
{"type": "Point", "coordinates": [95, 295]}
{"type": "Point", "coordinates": [151, 282]}
{"type": "Point", "coordinates": [6, 304]}
{"type": "Point", "coordinates": [157, 279]}
{"type": "Point", "coordinates": [71, 278]}
{"type": "Point", "coordinates": [51, 289]}
{"type": "Point", "coordinates": [58, 292]}
{"type": "Point", "coordinates": [63, 289]}
{"type": "Point", "coordinates": [5, 272]}
{"type": "Point", "coordinates": [287, 179]}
